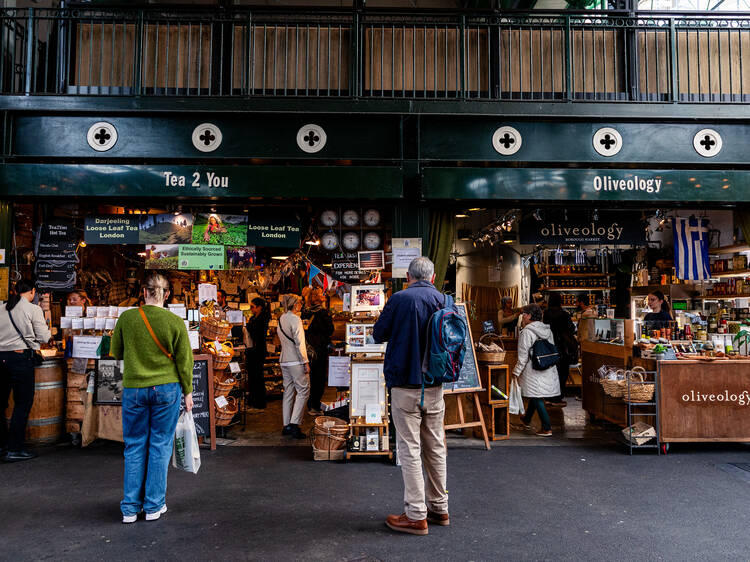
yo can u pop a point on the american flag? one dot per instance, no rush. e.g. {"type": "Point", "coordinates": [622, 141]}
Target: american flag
{"type": "Point", "coordinates": [371, 260]}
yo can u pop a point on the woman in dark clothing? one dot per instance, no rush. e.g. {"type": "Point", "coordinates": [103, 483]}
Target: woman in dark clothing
{"type": "Point", "coordinates": [255, 353]}
{"type": "Point", "coordinates": [318, 336]}
{"type": "Point", "coordinates": [563, 330]}
{"type": "Point", "coordinates": [659, 316]}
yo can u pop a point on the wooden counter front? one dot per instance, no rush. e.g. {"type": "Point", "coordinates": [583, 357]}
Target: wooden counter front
{"type": "Point", "coordinates": [704, 401]}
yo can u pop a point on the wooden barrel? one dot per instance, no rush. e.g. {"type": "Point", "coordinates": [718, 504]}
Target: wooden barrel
{"type": "Point", "coordinates": [47, 417]}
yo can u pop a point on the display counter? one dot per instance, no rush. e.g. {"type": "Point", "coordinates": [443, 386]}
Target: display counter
{"type": "Point", "coordinates": [704, 400]}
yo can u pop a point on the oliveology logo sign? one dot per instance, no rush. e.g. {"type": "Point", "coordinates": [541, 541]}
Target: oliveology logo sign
{"type": "Point", "coordinates": [740, 398]}
{"type": "Point", "coordinates": [636, 183]}
{"type": "Point", "coordinates": [554, 226]}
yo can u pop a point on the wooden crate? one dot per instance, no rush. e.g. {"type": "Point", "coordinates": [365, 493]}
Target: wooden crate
{"type": "Point", "coordinates": [497, 420]}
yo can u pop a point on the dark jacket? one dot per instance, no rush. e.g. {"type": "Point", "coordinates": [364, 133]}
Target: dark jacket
{"type": "Point", "coordinates": [257, 327]}
{"type": "Point", "coordinates": [563, 330]}
{"type": "Point", "coordinates": [403, 324]}
{"type": "Point", "coordinates": [318, 333]}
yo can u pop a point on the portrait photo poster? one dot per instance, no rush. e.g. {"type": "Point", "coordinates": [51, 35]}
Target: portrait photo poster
{"type": "Point", "coordinates": [367, 298]}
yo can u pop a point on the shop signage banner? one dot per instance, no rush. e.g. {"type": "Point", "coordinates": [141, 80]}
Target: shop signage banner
{"type": "Point", "coordinates": [56, 256]}
{"type": "Point", "coordinates": [404, 251]}
{"type": "Point", "coordinates": [345, 267]}
{"type": "Point", "coordinates": [558, 226]}
{"type": "Point", "coordinates": [201, 256]}
{"type": "Point", "coordinates": [111, 229]}
{"type": "Point", "coordinates": [274, 231]}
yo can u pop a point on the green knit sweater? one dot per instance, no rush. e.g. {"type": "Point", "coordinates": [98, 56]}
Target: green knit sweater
{"type": "Point", "coordinates": [145, 364]}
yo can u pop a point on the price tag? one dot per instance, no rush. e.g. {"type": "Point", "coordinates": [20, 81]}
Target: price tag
{"type": "Point", "coordinates": [110, 325]}
{"type": "Point", "coordinates": [113, 312]}
{"type": "Point", "coordinates": [74, 311]}
{"type": "Point", "coordinates": [100, 323]}
{"type": "Point", "coordinates": [89, 323]}
{"type": "Point", "coordinates": [66, 322]}
{"type": "Point", "coordinates": [76, 324]}
{"type": "Point", "coordinates": [92, 311]}
{"type": "Point", "coordinates": [193, 336]}
{"type": "Point", "coordinates": [221, 401]}
{"type": "Point", "coordinates": [234, 367]}
{"type": "Point", "coordinates": [102, 311]}
{"type": "Point", "coordinates": [234, 316]}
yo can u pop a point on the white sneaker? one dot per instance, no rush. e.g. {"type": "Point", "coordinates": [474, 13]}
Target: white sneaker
{"type": "Point", "coordinates": [155, 516]}
{"type": "Point", "coordinates": [129, 518]}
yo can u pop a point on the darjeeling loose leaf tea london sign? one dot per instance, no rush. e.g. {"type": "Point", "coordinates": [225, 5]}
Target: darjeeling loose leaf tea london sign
{"type": "Point", "coordinates": [278, 232]}
{"type": "Point", "coordinates": [111, 230]}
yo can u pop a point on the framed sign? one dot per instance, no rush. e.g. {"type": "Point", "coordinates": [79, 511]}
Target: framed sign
{"type": "Point", "coordinates": [367, 387]}
{"type": "Point", "coordinates": [367, 298]}
{"type": "Point", "coordinates": [359, 339]}
{"type": "Point", "coordinates": [108, 381]}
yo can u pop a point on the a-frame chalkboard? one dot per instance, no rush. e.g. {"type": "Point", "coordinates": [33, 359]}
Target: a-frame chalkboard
{"type": "Point", "coordinates": [203, 398]}
{"type": "Point", "coordinates": [468, 378]}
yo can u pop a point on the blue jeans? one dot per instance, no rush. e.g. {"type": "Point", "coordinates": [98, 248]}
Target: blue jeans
{"type": "Point", "coordinates": [537, 404]}
{"type": "Point", "coordinates": [149, 419]}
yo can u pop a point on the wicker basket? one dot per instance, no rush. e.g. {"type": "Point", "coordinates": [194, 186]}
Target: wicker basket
{"type": "Point", "coordinates": [218, 362]}
{"type": "Point", "coordinates": [224, 415]}
{"type": "Point", "coordinates": [639, 391]}
{"type": "Point", "coordinates": [491, 357]}
{"type": "Point", "coordinates": [329, 433]}
{"type": "Point", "coordinates": [614, 388]}
{"type": "Point", "coordinates": [329, 455]}
{"type": "Point", "coordinates": [213, 329]}
{"type": "Point", "coordinates": [222, 385]}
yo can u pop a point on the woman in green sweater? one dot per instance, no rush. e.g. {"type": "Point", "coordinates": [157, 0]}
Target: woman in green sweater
{"type": "Point", "coordinates": [158, 358]}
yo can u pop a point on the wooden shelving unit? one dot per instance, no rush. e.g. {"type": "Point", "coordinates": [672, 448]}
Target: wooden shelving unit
{"type": "Point", "coordinates": [729, 249]}
{"type": "Point", "coordinates": [494, 408]}
{"type": "Point", "coordinates": [573, 289]}
{"type": "Point", "coordinates": [577, 275]}
{"type": "Point", "coordinates": [734, 273]}
{"type": "Point", "coordinates": [720, 297]}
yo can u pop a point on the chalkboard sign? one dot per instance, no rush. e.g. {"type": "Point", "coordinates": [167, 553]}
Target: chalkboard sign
{"type": "Point", "coordinates": [203, 398]}
{"type": "Point", "coordinates": [56, 256]}
{"type": "Point", "coordinates": [468, 378]}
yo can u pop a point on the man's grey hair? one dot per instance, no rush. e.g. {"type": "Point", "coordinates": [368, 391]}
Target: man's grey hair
{"type": "Point", "coordinates": [421, 269]}
{"type": "Point", "coordinates": [156, 286]}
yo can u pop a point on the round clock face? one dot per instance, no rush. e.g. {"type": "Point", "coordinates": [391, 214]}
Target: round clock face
{"type": "Point", "coordinates": [350, 218]}
{"type": "Point", "coordinates": [350, 241]}
{"type": "Point", "coordinates": [329, 218]}
{"type": "Point", "coordinates": [329, 241]}
{"type": "Point", "coordinates": [372, 241]}
{"type": "Point", "coordinates": [372, 217]}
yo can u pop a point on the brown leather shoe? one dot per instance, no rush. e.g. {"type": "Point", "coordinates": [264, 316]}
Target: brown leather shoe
{"type": "Point", "coordinates": [438, 518]}
{"type": "Point", "coordinates": [403, 524]}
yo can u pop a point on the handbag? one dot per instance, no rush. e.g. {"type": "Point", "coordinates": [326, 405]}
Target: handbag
{"type": "Point", "coordinates": [311, 355]}
{"type": "Point", "coordinates": [153, 335]}
{"type": "Point", "coordinates": [515, 400]}
{"type": "Point", "coordinates": [37, 357]}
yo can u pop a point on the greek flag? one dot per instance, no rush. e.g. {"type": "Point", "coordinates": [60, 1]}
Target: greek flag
{"type": "Point", "coordinates": [691, 249]}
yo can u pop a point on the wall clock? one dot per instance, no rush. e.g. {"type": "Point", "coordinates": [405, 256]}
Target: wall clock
{"type": "Point", "coordinates": [329, 218]}
{"type": "Point", "coordinates": [350, 241]}
{"type": "Point", "coordinates": [372, 217]}
{"type": "Point", "coordinates": [350, 218]}
{"type": "Point", "coordinates": [329, 241]}
{"type": "Point", "coordinates": [372, 241]}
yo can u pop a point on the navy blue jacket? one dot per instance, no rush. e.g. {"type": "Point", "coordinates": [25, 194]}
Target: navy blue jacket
{"type": "Point", "coordinates": [403, 324]}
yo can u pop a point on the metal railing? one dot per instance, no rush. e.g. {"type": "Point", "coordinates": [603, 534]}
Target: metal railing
{"type": "Point", "coordinates": [530, 56]}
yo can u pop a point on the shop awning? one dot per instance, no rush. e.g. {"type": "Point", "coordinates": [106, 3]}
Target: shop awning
{"type": "Point", "coordinates": [587, 185]}
{"type": "Point", "coordinates": [118, 180]}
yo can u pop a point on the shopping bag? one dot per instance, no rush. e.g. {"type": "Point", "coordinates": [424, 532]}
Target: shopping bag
{"type": "Point", "coordinates": [186, 454]}
{"type": "Point", "coordinates": [515, 404]}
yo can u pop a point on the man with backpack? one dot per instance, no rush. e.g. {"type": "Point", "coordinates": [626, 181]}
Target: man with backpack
{"type": "Point", "coordinates": [417, 406]}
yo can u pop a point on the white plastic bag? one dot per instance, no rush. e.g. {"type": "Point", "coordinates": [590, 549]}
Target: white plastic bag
{"type": "Point", "coordinates": [515, 405]}
{"type": "Point", "coordinates": [186, 454]}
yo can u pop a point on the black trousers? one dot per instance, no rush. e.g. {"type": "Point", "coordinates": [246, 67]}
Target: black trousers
{"type": "Point", "coordinates": [563, 367]}
{"type": "Point", "coordinates": [256, 383]}
{"type": "Point", "coordinates": [318, 375]}
{"type": "Point", "coordinates": [17, 375]}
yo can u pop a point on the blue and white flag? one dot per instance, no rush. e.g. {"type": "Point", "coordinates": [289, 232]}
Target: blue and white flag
{"type": "Point", "coordinates": [691, 249]}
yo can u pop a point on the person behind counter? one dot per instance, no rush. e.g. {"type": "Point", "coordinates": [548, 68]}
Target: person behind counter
{"type": "Point", "coordinates": [584, 309]}
{"type": "Point", "coordinates": [507, 316]}
{"type": "Point", "coordinates": [78, 298]}
{"type": "Point", "coordinates": [660, 314]}
{"type": "Point", "coordinates": [318, 336]}
{"type": "Point", "coordinates": [255, 354]}
{"type": "Point", "coordinates": [158, 359]}
{"type": "Point", "coordinates": [22, 329]}
{"type": "Point", "coordinates": [295, 367]}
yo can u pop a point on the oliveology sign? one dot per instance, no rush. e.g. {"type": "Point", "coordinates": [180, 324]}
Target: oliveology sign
{"type": "Point", "coordinates": [558, 226]}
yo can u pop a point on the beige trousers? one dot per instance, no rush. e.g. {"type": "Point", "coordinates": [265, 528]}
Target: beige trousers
{"type": "Point", "coordinates": [296, 392]}
{"type": "Point", "coordinates": [420, 442]}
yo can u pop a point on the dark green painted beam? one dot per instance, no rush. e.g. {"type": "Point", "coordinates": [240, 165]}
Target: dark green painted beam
{"type": "Point", "coordinates": [125, 181]}
{"type": "Point", "coordinates": [549, 185]}
{"type": "Point", "coordinates": [93, 105]}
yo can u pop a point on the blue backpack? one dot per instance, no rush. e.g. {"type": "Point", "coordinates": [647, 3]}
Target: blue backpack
{"type": "Point", "coordinates": [444, 354]}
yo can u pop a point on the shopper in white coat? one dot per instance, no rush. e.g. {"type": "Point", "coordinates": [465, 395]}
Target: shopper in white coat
{"type": "Point", "coordinates": [535, 385]}
{"type": "Point", "coordinates": [295, 367]}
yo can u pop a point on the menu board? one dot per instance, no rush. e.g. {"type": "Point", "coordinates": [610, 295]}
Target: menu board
{"type": "Point", "coordinates": [203, 398]}
{"type": "Point", "coordinates": [468, 378]}
{"type": "Point", "coordinates": [56, 256]}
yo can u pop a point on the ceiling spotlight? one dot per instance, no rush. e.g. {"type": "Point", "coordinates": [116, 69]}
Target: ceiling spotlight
{"type": "Point", "coordinates": [461, 216]}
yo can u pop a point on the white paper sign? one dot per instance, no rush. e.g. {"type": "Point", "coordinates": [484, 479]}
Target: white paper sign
{"type": "Point", "coordinates": [102, 311]}
{"type": "Point", "coordinates": [89, 323]}
{"type": "Point", "coordinates": [74, 311]}
{"type": "Point", "coordinates": [207, 292]}
{"type": "Point", "coordinates": [113, 312]}
{"type": "Point", "coordinates": [92, 311]}
{"type": "Point", "coordinates": [404, 251]}
{"type": "Point", "coordinates": [180, 311]}
{"type": "Point", "coordinates": [193, 336]}
{"type": "Point", "coordinates": [120, 310]}
{"type": "Point", "coordinates": [66, 322]}
{"type": "Point", "coordinates": [99, 323]}
{"type": "Point", "coordinates": [86, 346]}
{"type": "Point", "coordinates": [76, 323]}
{"type": "Point", "coordinates": [234, 367]}
{"type": "Point", "coordinates": [221, 401]}
{"type": "Point", "coordinates": [110, 324]}
{"type": "Point", "coordinates": [372, 413]}
{"type": "Point", "coordinates": [234, 316]}
{"type": "Point", "coordinates": [2, 255]}
{"type": "Point", "coordinates": [338, 370]}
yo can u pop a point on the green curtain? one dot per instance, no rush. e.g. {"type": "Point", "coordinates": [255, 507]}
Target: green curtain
{"type": "Point", "coordinates": [442, 231]}
{"type": "Point", "coordinates": [742, 219]}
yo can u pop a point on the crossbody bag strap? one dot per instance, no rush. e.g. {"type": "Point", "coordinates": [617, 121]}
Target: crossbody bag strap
{"type": "Point", "coordinates": [10, 315]}
{"type": "Point", "coordinates": [153, 335]}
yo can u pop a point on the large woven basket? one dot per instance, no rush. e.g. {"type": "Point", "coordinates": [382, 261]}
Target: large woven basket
{"type": "Point", "coordinates": [491, 357]}
{"type": "Point", "coordinates": [224, 415]}
{"type": "Point", "coordinates": [614, 388]}
{"type": "Point", "coordinates": [213, 329]}
{"type": "Point", "coordinates": [329, 433]}
{"type": "Point", "coordinates": [640, 391]}
{"type": "Point", "coordinates": [222, 385]}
